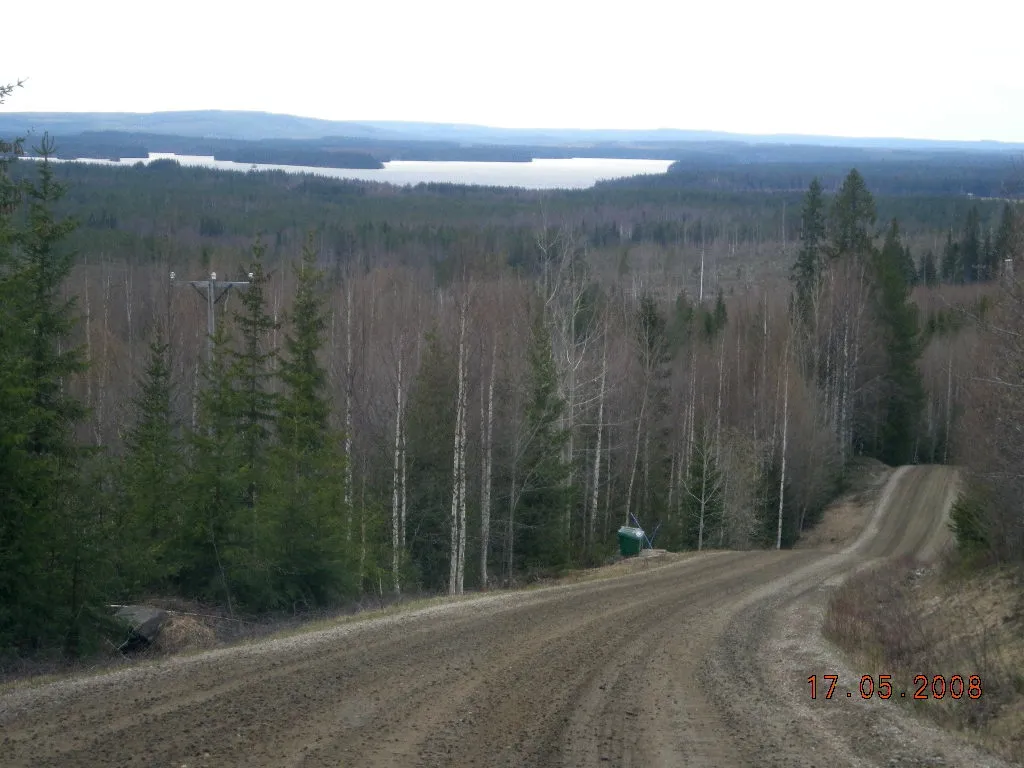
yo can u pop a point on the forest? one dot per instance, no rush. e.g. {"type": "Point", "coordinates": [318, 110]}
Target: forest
{"type": "Point", "coordinates": [440, 389]}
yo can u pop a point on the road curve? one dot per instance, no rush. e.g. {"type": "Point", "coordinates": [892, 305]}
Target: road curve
{"type": "Point", "coordinates": [701, 662]}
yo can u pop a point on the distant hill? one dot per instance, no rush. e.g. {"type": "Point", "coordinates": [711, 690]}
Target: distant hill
{"type": "Point", "coordinates": [256, 126]}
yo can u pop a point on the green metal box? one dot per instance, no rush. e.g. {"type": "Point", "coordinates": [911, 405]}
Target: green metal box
{"type": "Point", "coordinates": [631, 541]}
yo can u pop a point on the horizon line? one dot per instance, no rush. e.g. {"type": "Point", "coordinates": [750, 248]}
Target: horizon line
{"type": "Point", "coordinates": [533, 129]}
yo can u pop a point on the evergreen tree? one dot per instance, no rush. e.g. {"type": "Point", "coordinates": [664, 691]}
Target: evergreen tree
{"type": "Point", "coordinates": [950, 269]}
{"type": "Point", "coordinates": [255, 404]}
{"type": "Point", "coordinates": [655, 359]}
{"type": "Point", "coordinates": [1004, 246]}
{"type": "Point", "coordinates": [909, 270]}
{"type": "Point", "coordinates": [215, 490]}
{"type": "Point", "coordinates": [721, 314]}
{"type": "Point", "coordinates": [680, 328]}
{"type": "Point", "coordinates": [807, 269]}
{"type": "Point", "coordinates": [151, 481]}
{"type": "Point", "coordinates": [970, 247]}
{"type": "Point", "coordinates": [306, 493]}
{"type": "Point", "coordinates": [851, 219]}
{"type": "Point", "coordinates": [430, 428]}
{"type": "Point", "coordinates": [712, 321]}
{"type": "Point", "coordinates": [929, 273]}
{"type": "Point", "coordinates": [43, 557]}
{"type": "Point", "coordinates": [903, 391]}
{"type": "Point", "coordinates": [989, 258]}
{"type": "Point", "coordinates": [16, 521]}
{"type": "Point", "coordinates": [542, 502]}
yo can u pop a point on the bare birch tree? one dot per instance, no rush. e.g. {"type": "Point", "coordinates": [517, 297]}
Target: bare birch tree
{"type": "Point", "coordinates": [487, 438]}
{"type": "Point", "coordinates": [458, 513]}
{"type": "Point", "coordinates": [397, 492]}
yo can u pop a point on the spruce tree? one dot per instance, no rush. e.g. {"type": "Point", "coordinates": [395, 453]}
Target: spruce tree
{"type": "Point", "coordinates": [541, 538]}
{"type": "Point", "coordinates": [16, 530]}
{"type": "Point", "coordinates": [255, 409]}
{"type": "Point", "coordinates": [215, 489]}
{"type": "Point", "coordinates": [851, 219]}
{"type": "Point", "coordinates": [950, 269]}
{"type": "Point", "coordinates": [655, 359]}
{"type": "Point", "coordinates": [680, 327]}
{"type": "Point", "coordinates": [1004, 245]}
{"type": "Point", "coordinates": [907, 265]}
{"type": "Point", "coordinates": [807, 269]}
{"type": "Point", "coordinates": [929, 273]}
{"type": "Point", "coordinates": [44, 554]}
{"type": "Point", "coordinates": [305, 496]}
{"type": "Point", "coordinates": [151, 482]}
{"type": "Point", "coordinates": [431, 426]}
{"type": "Point", "coordinates": [970, 247]}
{"type": "Point", "coordinates": [902, 388]}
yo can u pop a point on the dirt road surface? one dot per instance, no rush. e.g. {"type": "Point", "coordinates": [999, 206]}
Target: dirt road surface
{"type": "Point", "coordinates": [699, 662]}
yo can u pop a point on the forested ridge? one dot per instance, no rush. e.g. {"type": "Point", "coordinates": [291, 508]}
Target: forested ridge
{"type": "Point", "coordinates": [444, 388]}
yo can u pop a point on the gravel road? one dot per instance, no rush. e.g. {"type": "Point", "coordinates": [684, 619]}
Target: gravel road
{"type": "Point", "coordinates": [701, 661]}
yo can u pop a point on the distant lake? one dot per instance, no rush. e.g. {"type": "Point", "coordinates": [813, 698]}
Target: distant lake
{"type": "Point", "coordinates": [574, 173]}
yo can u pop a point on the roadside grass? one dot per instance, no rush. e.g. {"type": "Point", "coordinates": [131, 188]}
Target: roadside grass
{"type": "Point", "coordinates": [905, 619]}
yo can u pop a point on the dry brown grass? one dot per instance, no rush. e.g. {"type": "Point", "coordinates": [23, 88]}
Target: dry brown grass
{"type": "Point", "coordinates": [182, 634]}
{"type": "Point", "coordinates": [845, 518]}
{"type": "Point", "coordinates": [905, 620]}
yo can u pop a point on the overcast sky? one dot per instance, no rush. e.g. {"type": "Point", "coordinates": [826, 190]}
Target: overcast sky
{"type": "Point", "coordinates": [921, 69]}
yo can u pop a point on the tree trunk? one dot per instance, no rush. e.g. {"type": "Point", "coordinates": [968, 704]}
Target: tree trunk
{"type": "Point", "coordinates": [636, 456]}
{"type": "Point", "coordinates": [782, 476]}
{"type": "Point", "coordinates": [607, 483]}
{"type": "Point", "coordinates": [462, 478]}
{"type": "Point", "coordinates": [395, 478]}
{"type": "Point", "coordinates": [348, 407]}
{"type": "Point", "coordinates": [457, 538]}
{"type": "Point", "coordinates": [764, 364]}
{"type": "Point", "coordinates": [703, 493]}
{"type": "Point", "coordinates": [511, 534]}
{"type": "Point", "coordinates": [700, 294]}
{"type": "Point", "coordinates": [487, 422]}
{"type": "Point", "coordinates": [597, 442]}
{"type": "Point", "coordinates": [718, 408]}
{"type": "Point", "coordinates": [128, 319]}
{"type": "Point", "coordinates": [402, 502]}
{"type": "Point", "coordinates": [949, 405]}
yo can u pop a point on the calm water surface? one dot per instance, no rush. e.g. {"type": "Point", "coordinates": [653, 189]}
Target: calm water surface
{"type": "Point", "coordinates": [575, 173]}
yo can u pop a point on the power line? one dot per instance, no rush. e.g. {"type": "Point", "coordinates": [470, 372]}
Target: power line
{"type": "Point", "coordinates": [212, 290]}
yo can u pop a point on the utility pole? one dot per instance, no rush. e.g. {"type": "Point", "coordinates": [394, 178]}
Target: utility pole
{"type": "Point", "coordinates": [213, 290]}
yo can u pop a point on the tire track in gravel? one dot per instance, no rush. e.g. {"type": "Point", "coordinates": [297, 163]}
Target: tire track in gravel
{"type": "Point", "coordinates": [773, 644]}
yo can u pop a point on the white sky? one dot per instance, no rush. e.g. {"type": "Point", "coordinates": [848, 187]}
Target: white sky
{"type": "Point", "coordinates": [909, 68]}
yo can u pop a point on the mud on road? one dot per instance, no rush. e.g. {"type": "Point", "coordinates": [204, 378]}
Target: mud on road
{"type": "Point", "coordinates": [700, 661]}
